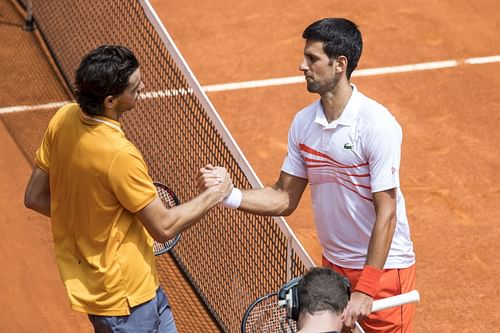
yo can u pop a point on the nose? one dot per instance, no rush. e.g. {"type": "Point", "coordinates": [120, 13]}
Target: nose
{"type": "Point", "coordinates": [141, 86]}
{"type": "Point", "coordinates": [303, 66]}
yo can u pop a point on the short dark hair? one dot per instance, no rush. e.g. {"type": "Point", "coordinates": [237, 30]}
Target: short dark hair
{"type": "Point", "coordinates": [103, 72]}
{"type": "Point", "coordinates": [340, 37]}
{"type": "Point", "coordinates": [321, 288]}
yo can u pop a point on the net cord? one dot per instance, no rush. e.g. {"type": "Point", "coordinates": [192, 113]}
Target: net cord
{"type": "Point", "coordinates": [233, 147]}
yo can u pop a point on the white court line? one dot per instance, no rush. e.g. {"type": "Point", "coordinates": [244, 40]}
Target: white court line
{"type": "Point", "coordinates": [20, 108]}
{"type": "Point", "coordinates": [482, 60]}
{"type": "Point", "coordinates": [254, 84]}
{"type": "Point", "coordinates": [282, 81]}
{"type": "Point", "coordinates": [406, 68]}
{"type": "Point", "coordinates": [356, 73]}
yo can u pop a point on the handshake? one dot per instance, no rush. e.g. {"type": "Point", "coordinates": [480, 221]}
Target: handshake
{"type": "Point", "coordinates": [216, 179]}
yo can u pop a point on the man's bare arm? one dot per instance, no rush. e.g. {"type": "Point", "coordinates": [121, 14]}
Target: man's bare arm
{"type": "Point", "coordinates": [163, 224]}
{"type": "Point", "coordinates": [360, 304]}
{"type": "Point", "coordinates": [37, 194]}
{"type": "Point", "coordinates": [383, 230]}
{"type": "Point", "coordinates": [281, 199]}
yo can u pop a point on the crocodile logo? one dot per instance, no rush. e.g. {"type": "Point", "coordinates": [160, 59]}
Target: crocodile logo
{"type": "Point", "coordinates": [347, 146]}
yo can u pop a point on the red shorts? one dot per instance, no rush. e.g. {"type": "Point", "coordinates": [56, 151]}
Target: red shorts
{"type": "Point", "coordinates": [393, 282]}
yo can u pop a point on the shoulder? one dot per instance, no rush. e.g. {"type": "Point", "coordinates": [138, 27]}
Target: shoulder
{"type": "Point", "coordinates": [62, 120]}
{"type": "Point", "coordinates": [127, 162]}
{"type": "Point", "coordinates": [373, 111]}
{"type": "Point", "coordinates": [126, 152]}
{"type": "Point", "coordinates": [308, 113]}
{"type": "Point", "coordinates": [67, 112]}
{"type": "Point", "coordinates": [373, 116]}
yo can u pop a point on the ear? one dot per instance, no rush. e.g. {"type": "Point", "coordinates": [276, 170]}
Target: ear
{"type": "Point", "coordinates": [109, 102]}
{"type": "Point", "coordinates": [343, 314]}
{"type": "Point", "coordinates": [341, 64]}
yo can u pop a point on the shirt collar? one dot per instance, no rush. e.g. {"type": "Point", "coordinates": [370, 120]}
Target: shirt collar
{"type": "Point", "coordinates": [348, 115]}
{"type": "Point", "coordinates": [92, 120]}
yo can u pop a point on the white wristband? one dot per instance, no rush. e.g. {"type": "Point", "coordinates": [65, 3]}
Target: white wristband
{"type": "Point", "coordinates": [233, 200]}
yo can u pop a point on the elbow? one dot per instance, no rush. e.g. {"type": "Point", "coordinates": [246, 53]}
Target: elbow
{"type": "Point", "coordinates": [161, 223]}
{"type": "Point", "coordinates": [164, 236]}
{"type": "Point", "coordinates": [29, 201]}
{"type": "Point", "coordinates": [289, 203]}
{"type": "Point", "coordinates": [169, 228]}
{"type": "Point", "coordinates": [287, 211]}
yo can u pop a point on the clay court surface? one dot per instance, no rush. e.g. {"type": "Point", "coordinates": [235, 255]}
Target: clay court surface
{"type": "Point", "coordinates": [450, 119]}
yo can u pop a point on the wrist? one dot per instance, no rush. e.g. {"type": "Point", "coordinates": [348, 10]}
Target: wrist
{"type": "Point", "coordinates": [233, 200]}
{"type": "Point", "coordinates": [368, 282]}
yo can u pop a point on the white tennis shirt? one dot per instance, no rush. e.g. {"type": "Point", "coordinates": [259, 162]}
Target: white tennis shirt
{"type": "Point", "coordinates": [345, 162]}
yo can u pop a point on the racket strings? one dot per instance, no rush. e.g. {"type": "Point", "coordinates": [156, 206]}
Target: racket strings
{"type": "Point", "coordinates": [169, 200]}
{"type": "Point", "coordinates": [269, 317]}
{"type": "Point", "coordinates": [166, 197]}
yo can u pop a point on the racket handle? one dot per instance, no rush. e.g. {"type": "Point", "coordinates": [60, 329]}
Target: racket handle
{"type": "Point", "coordinates": [360, 329]}
{"type": "Point", "coordinates": [389, 302]}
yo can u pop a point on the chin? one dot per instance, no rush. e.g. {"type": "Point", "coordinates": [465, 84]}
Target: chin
{"type": "Point", "coordinates": [312, 89]}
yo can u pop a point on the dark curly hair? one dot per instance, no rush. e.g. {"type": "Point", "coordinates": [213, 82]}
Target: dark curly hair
{"type": "Point", "coordinates": [340, 37]}
{"type": "Point", "coordinates": [103, 72]}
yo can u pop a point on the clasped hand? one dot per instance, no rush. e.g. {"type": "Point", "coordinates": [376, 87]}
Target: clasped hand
{"type": "Point", "coordinates": [214, 178]}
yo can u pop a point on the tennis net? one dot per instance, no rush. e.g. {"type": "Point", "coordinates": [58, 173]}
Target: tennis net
{"type": "Point", "coordinates": [230, 258]}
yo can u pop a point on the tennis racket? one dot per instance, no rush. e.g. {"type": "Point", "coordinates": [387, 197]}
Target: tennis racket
{"type": "Point", "coordinates": [389, 302]}
{"type": "Point", "coordinates": [169, 200]}
{"type": "Point", "coordinates": [265, 315]}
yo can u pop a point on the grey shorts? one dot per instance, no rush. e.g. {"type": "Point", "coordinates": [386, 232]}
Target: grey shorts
{"type": "Point", "coordinates": [154, 316]}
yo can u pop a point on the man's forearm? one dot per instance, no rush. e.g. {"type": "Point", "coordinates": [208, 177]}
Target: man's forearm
{"type": "Point", "coordinates": [265, 201]}
{"type": "Point", "coordinates": [380, 243]}
{"type": "Point", "coordinates": [383, 230]}
{"type": "Point", "coordinates": [378, 249]}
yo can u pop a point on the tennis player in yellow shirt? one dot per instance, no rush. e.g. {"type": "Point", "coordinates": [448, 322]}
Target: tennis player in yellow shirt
{"type": "Point", "coordinates": [95, 186]}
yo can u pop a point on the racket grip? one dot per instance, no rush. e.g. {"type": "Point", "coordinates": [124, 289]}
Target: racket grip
{"type": "Point", "coordinates": [359, 328]}
{"type": "Point", "coordinates": [389, 302]}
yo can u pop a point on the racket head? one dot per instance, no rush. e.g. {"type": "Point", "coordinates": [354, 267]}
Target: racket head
{"type": "Point", "coordinates": [265, 315]}
{"type": "Point", "coordinates": [169, 200]}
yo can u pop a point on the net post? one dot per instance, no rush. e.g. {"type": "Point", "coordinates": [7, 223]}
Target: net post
{"type": "Point", "coordinates": [29, 21]}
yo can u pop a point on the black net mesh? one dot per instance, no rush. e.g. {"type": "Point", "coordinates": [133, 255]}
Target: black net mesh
{"type": "Point", "coordinates": [230, 257]}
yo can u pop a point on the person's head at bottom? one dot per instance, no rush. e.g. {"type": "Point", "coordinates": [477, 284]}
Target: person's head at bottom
{"type": "Point", "coordinates": [323, 296]}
